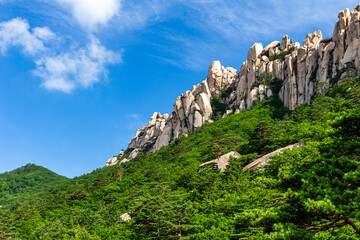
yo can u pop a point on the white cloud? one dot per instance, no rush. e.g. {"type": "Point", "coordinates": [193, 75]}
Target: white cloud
{"type": "Point", "coordinates": [44, 33]}
{"type": "Point", "coordinates": [91, 13]}
{"type": "Point", "coordinates": [64, 71]}
{"type": "Point", "coordinates": [80, 69]}
{"type": "Point", "coordinates": [16, 33]}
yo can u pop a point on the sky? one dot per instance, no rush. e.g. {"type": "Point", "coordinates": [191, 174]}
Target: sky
{"type": "Point", "coordinates": [79, 77]}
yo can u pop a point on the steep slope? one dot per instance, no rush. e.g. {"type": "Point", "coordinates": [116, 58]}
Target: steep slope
{"type": "Point", "coordinates": [310, 154]}
{"type": "Point", "coordinates": [311, 192]}
{"type": "Point", "coordinates": [292, 72]}
{"type": "Point", "coordinates": [27, 182]}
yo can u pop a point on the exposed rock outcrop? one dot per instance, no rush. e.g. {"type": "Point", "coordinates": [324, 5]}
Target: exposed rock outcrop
{"type": "Point", "coordinates": [259, 163]}
{"type": "Point", "coordinates": [125, 160]}
{"type": "Point", "coordinates": [193, 109]}
{"type": "Point", "coordinates": [112, 161]}
{"type": "Point", "coordinates": [125, 217]}
{"type": "Point", "coordinates": [149, 133]}
{"type": "Point", "coordinates": [119, 159]}
{"type": "Point", "coordinates": [134, 153]}
{"type": "Point", "coordinates": [288, 70]}
{"type": "Point", "coordinates": [223, 161]}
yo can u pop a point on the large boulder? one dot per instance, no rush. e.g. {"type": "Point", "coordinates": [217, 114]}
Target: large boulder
{"type": "Point", "coordinates": [125, 217]}
{"type": "Point", "coordinates": [259, 163]}
{"type": "Point", "coordinates": [111, 162]}
{"type": "Point", "coordinates": [285, 43]}
{"type": "Point", "coordinates": [125, 160]}
{"type": "Point", "coordinates": [271, 46]}
{"type": "Point", "coordinates": [214, 77]}
{"type": "Point", "coordinates": [223, 161]}
{"type": "Point", "coordinates": [219, 77]}
{"type": "Point", "coordinates": [254, 53]}
{"type": "Point", "coordinates": [134, 153]}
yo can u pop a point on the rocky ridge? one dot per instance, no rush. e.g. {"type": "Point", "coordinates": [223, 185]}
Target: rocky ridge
{"type": "Point", "coordinates": [146, 135]}
{"type": "Point", "coordinates": [293, 72]}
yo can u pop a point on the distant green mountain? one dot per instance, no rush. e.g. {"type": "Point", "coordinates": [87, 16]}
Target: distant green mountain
{"type": "Point", "coordinates": [27, 182]}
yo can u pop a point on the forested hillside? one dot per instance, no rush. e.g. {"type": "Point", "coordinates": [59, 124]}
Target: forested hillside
{"type": "Point", "coordinates": [27, 182]}
{"type": "Point", "coordinates": [311, 192]}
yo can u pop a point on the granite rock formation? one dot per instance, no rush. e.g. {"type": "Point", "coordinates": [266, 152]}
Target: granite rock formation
{"type": "Point", "coordinates": [125, 217]}
{"type": "Point", "coordinates": [259, 163]}
{"type": "Point", "coordinates": [223, 161]}
{"type": "Point", "coordinates": [293, 72]}
{"type": "Point", "coordinates": [150, 132]}
{"type": "Point", "coordinates": [112, 161]}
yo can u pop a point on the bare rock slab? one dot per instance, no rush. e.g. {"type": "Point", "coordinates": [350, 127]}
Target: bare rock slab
{"type": "Point", "coordinates": [223, 161]}
{"type": "Point", "coordinates": [264, 160]}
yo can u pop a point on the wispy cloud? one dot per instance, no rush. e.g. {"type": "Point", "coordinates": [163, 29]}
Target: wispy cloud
{"type": "Point", "coordinates": [233, 18]}
{"type": "Point", "coordinates": [136, 15]}
{"type": "Point", "coordinates": [135, 117]}
{"type": "Point", "coordinates": [187, 51]}
{"type": "Point", "coordinates": [44, 33]}
{"type": "Point", "coordinates": [222, 28]}
{"type": "Point", "coordinates": [136, 120]}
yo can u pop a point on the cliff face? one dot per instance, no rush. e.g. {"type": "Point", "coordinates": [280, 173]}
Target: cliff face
{"type": "Point", "coordinates": [147, 135]}
{"type": "Point", "coordinates": [193, 109]}
{"type": "Point", "coordinates": [292, 71]}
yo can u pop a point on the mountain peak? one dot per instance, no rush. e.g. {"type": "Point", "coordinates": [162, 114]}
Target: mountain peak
{"type": "Point", "coordinates": [293, 73]}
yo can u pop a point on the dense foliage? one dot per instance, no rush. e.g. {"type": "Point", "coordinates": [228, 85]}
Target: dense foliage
{"type": "Point", "coordinates": [312, 192]}
{"type": "Point", "coordinates": [218, 106]}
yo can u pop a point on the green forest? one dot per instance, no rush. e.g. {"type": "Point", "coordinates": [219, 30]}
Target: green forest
{"type": "Point", "coordinates": [311, 192]}
{"type": "Point", "coordinates": [28, 182]}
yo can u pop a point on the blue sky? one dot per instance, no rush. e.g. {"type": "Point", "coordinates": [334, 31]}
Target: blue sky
{"type": "Point", "coordinates": [79, 77]}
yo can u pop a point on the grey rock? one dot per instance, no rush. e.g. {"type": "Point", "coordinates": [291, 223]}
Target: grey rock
{"type": "Point", "coordinates": [193, 109]}
{"type": "Point", "coordinates": [125, 160]}
{"type": "Point", "coordinates": [150, 132]}
{"type": "Point", "coordinates": [274, 44]}
{"type": "Point", "coordinates": [285, 43]}
{"type": "Point", "coordinates": [259, 163]}
{"type": "Point", "coordinates": [111, 162]}
{"type": "Point", "coordinates": [125, 217]}
{"type": "Point", "coordinates": [223, 161]}
{"type": "Point", "coordinates": [134, 153]}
